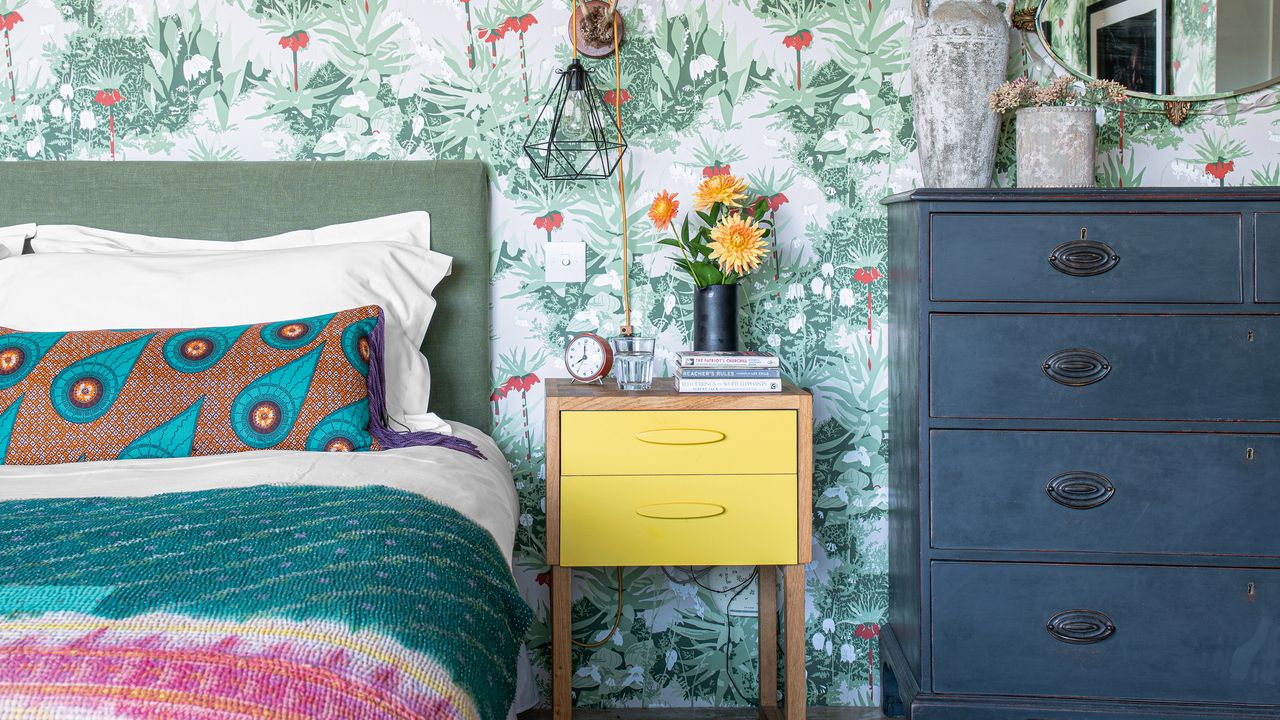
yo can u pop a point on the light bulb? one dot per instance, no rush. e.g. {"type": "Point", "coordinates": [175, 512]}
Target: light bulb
{"type": "Point", "coordinates": [575, 118]}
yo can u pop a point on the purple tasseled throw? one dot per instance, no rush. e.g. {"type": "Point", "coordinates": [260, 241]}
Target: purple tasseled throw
{"type": "Point", "coordinates": [378, 419]}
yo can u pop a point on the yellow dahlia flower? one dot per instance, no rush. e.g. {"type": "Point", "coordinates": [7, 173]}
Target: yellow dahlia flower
{"type": "Point", "coordinates": [738, 244]}
{"type": "Point", "coordinates": [725, 189]}
{"type": "Point", "coordinates": [663, 210]}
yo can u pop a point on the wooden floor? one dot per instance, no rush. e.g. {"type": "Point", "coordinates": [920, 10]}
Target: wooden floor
{"type": "Point", "coordinates": [817, 713]}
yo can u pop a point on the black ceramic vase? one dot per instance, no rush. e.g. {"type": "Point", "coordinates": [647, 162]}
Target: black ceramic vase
{"type": "Point", "coordinates": [715, 318]}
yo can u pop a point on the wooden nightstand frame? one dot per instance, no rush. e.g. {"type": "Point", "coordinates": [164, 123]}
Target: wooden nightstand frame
{"type": "Point", "coordinates": [563, 395]}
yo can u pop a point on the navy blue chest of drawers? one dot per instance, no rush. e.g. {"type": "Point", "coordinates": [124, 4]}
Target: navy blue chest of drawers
{"type": "Point", "coordinates": [1084, 490]}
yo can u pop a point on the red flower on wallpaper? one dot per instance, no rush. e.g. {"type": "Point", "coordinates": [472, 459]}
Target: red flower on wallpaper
{"type": "Point", "coordinates": [6, 24]}
{"type": "Point", "coordinates": [107, 98]}
{"type": "Point", "coordinates": [519, 24]}
{"type": "Point", "coordinates": [798, 41]}
{"type": "Point", "coordinates": [492, 35]}
{"type": "Point", "coordinates": [611, 97]}
{"type": "Point", "coordinates": [776, 201]}
{"type": "Point", "coordinates": [523, 383]}
{"type": "Point", "coordinates": [549, 222]}
{"type": "Point", "coordinates": [866, 276]}
{"type": "Point", "coordinates": [1220, 169]}
{"type": "Point", "coordinates": [714, 170]}
{"type": "Point", "coordinates": [295, 42]}
{"type": "Point", "coordinates": [867, 631]}
{"type": "Point", "coordinates": [544, 578]}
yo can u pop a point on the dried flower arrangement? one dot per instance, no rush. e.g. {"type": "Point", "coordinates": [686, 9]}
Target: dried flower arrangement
{"type": "Point", "coordinates": [1060, 91]}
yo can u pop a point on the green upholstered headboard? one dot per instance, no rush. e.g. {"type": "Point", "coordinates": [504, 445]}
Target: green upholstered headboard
{"type": "Point", "coordinates": [241, 200]}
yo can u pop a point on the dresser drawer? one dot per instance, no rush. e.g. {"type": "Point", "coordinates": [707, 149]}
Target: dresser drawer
{"type": "Point", "coordinates": [1195, 634]}
{"type": "Point", "coordinates": [677, 442]}
{"type": "Point", "coordinates": [1165, 367]}
{"type": "Point", "coordinates": [1267, 245]}
{"type": "Point", "coordinates": [678, 520]}
{"type": "Point", "coordinates": [1105, 492]}
{"type": "Point", "coordinates": [1158, 258]}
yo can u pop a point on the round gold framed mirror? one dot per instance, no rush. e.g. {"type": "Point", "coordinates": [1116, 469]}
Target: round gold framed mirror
{"type": "Point", "coordinates": [1172, 51]}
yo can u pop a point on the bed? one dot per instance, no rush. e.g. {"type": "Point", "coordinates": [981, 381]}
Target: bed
{"type": "Point", "coordinates": [269, 584]}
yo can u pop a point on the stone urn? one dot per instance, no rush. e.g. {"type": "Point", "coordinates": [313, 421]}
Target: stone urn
{"type": "Point", "coordinates": [959, 54]}
{"type": "Point", "coordinates": [1056, 146]}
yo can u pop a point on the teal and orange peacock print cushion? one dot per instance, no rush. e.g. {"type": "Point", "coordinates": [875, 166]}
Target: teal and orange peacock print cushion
{"type": "Point", "coordinates": [130, 394]}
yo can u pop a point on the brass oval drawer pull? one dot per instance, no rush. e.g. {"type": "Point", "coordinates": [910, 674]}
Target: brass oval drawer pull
{"type": "Point", "coordinates": [680, 511]}
{"type": "Point", "coordinates": [1080, 490]}
{"type": "Point", "coordinates": [1083, 258]}
{"type": "Point", "coordinates": [1076, 367]}
{"type": "Point", "coordinates": [680, 436]}
{"type": "Point", "coordinates": [1080, 627]}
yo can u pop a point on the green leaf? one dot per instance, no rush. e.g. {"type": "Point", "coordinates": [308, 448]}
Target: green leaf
{"type": "Point", "coordinates": [706, 273]}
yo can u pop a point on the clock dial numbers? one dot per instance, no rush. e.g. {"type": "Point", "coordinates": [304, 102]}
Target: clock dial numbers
{"type": "Point", "coordinates": [587, 358]}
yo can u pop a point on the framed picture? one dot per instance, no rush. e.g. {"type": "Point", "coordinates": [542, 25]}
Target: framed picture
{"type": "Point", "coordinates": [1128, 41]}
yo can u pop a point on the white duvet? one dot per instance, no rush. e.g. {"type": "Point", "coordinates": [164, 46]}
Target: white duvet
{"type": "Point", "coordinates": [481, 490]}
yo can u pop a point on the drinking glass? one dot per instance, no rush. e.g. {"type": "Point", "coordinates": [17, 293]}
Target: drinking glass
{"type": "Point", "coordinates": [633, 362]}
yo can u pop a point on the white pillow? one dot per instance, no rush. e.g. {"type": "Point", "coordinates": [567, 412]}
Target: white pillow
{"type": "Point", "coordinates": [413, 228]}
{"type": "Point", "coordinates": [13, 237]}
{"type": "Point", "coordinates": [83, 291]}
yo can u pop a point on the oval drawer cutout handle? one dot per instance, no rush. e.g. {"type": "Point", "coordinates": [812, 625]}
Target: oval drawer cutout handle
{"type": "Point", "coordinates": [1083, 258]}
{"type": "Point", "coordinates": [680, 436]}
{"type": "Point", "coordinates": [1076, 367]}
{"type": "Point", "coordinates": [1080, 490]}
{"type": "Point", "coordinates": [680, 511]}
{"type": "Point", "coordinates": [1080, 627]}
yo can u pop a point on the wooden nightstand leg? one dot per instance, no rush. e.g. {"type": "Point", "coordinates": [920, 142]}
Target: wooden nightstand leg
{"type": "Point", "coordinates": [794, 695]}
{"type": "Point", "coordinates": [767, 590]}
{"type": "Point", "coordinates": [561, 642]}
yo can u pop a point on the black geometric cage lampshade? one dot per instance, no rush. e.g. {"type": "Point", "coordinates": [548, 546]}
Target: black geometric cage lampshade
{"type": "Point", "coordinates": [570, 139]}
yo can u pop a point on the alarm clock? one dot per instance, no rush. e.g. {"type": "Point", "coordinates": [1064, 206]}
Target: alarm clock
{"type": "Point", "coordinates": [588, 357]}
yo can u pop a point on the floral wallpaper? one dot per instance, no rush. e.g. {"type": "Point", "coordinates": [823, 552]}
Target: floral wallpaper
{"type": "Point", "coordinates": [807, 99]}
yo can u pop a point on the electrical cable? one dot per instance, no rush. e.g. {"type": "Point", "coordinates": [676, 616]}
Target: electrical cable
{"type": "Point", "coordinates": [626, 329]}
{"type": "Point", "coordinates": [695, 577]}
{"type": "Point", "coordinates": [574, 20]}
{"type": "Point", "coordinates": [689, 579]}
{"type": "Point", "coordinates": [728, 639]}
{"type": "Point", "coordinates": [617, 620]}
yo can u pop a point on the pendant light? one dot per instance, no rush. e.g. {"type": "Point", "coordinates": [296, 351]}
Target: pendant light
{"type": "Point", "coordinates": [570, 139]}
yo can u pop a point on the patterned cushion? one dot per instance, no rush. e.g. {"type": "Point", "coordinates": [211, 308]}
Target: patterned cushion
{"type": "Point", "coordinates": [129, 394]}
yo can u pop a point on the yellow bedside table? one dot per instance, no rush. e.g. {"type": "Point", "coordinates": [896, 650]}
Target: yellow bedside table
{"type": "Point", "coordinates": [663, 478]}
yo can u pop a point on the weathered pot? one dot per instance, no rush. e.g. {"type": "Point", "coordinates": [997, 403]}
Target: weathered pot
{"type": "Point", "coordinates": [715, 318]}
{"type": "Point", "coordinates": [959, 54]}
{"type": "Point", "coordinates": [1056, 146]}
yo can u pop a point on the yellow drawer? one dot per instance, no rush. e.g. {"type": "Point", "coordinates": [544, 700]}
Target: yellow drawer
{"type": "Point", "coordinates": [674, 520]}
{"type": "Point", "coordinates": [677, 442]}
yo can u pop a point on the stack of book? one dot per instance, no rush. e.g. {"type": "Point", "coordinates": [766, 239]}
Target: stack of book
{"type": "Point", "coordinates": [727, 372]}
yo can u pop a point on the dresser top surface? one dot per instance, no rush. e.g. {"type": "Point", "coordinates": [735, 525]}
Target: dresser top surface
{"type": "Point", "coordinates": [1150, 194]}
{"type": "Point", "coordinates": [663, 396]}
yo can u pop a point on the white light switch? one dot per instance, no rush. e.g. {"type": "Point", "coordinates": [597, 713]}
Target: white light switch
{"type": "Point", "coordinates": [566, 262]}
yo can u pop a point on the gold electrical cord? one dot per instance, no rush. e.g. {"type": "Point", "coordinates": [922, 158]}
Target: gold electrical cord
{"type": "Point", "coordinates": [617, 620]}
{"type": "Point", "coordinates": [573, 21]}
{"type": "Point", "coordinates": [622, 190]}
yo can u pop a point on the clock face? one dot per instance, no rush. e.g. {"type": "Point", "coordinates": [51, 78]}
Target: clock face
{"type": "Point", "coordinates": [588, 357]}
